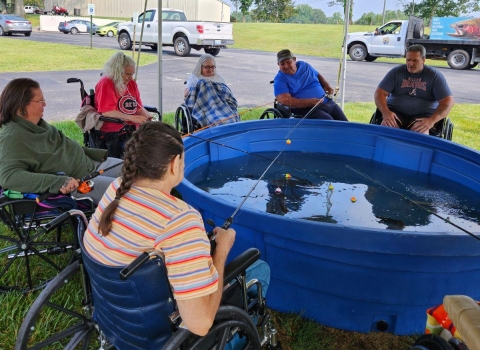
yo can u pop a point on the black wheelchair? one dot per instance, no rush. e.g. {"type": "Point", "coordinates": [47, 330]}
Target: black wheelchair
{"type": "Point", "coordinates": [95, 139]}
{"type": "Point", "coordinates": [184, 122]}
{"type": "Point", "coordinates": [133, 307]}
{"type": "Point", "coordinates": [443, 128]}
{"type": "Point", "coordinates": [278, 111]}
{"type": "Point", "coordinates": [34, 246]}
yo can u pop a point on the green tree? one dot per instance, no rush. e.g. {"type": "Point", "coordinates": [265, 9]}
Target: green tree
{"type": "Point", "coordinates": [273, 10]}
{"type": "Point", "coordinates": [343, 3]}
{"type": "Point", "coordinates": [337, 18]}
{"type": "Point", "coordinates": [307, 14]}
{"type": "Point", "coordinates": [371, 18]}
{"type": "Point", "coordinates": [245, 7]}
{"type": "Point", "coordinates": [4, 6]}
{"type": "Point", "coordinates": [440, 8]}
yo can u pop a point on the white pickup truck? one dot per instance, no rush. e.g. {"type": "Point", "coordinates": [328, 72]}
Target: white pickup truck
{"type": "Point", "coordinates": [183, 35]}
{"type": "Point", "coordinates": [461, 50]}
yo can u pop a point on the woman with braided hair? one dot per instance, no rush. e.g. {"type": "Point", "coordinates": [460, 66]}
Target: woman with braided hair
{"type": "Point", "coordinates": [138, 213]}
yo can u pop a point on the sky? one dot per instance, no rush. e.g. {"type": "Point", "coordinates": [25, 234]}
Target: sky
{"type": "Point", "coordinates": [360, 6]}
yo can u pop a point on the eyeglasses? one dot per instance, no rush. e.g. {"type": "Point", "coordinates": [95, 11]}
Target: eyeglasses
{"type": "Point", "coordinates": [40, 101]}
{"type": "Point", "coordinates": [208, 67]}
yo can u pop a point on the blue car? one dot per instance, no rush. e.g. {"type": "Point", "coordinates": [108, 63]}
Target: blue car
{"type": "Point", "coordinates": [76, 26]}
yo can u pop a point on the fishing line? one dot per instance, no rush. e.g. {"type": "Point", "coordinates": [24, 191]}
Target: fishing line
{"type": "Point", "coordinates": [321, 101]}
{"type": "Point", "coordinates": [229, 220]}
{"type": "Point", "coordinates": [252, 154]}
{"type": "Point", "coordinates": [404, 196]}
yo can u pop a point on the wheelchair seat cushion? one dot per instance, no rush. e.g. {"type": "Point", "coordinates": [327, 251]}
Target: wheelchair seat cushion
{"type": "Point", "coordinates": [212, 104]}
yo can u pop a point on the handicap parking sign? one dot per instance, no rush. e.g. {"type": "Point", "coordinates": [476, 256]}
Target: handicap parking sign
{"type": "Point", "coordinates": [91, 9]}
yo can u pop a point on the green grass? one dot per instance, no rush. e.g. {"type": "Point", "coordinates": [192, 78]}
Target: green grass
{"type": "Point", "coordinates": [323, 40]}
{"type": "Point", "coordinates": [40, 56]}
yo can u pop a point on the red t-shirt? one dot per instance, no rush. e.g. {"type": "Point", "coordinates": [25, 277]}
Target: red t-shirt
{"type": "Point", "coordinates": [108, 99]}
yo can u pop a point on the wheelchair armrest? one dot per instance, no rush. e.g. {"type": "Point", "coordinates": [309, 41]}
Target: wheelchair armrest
{"type": "Point", "coordinates": [152, 109]}
{"type": "Point", "coordinates": [112, 120]}
{"type": "Point", "coordinates": [240, 264]}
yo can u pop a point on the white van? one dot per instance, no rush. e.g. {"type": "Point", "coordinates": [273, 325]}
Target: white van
{"type": "Point", "coordinates": [29, 9]}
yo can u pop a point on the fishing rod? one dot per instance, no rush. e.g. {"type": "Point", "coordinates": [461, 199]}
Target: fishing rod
{"type": "Point", "coordinates": [85, 185]}
{"type": "Point", "coordinates": [404, 196]}
{"type": "Point", "coordinates": [229, 220]}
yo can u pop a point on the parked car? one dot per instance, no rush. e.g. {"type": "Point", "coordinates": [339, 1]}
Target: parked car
{"type": "Point", "coordinates": [11, 24]}
{"type": "Point", "coordinates": [109, 29]}
{"type": "Point", "coordinates": [75, 26]}
{"type": "Point", "coordinates": [40, 11]}
{"type": "Point", "coordinates": [29, 9]}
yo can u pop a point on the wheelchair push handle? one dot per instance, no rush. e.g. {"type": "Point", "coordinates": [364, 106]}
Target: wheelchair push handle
{"type": "Point", "coordinates": [57, 220]}
{"type": "Point", "coordinates": [127, 271]}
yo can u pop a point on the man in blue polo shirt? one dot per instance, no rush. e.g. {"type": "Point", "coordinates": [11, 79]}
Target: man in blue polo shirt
{"type": "Point", "coordinates": [300, 87]}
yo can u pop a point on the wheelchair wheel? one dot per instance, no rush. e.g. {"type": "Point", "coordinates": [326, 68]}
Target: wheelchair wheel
{"type": "Point", "coordinates": [271, 113]}
{"type": "Point", "coordinates": [448, 134]}
{"type": "Point", "coordinates": [431, 342]}
{"type": "Point", "coordinates": [229, 321]}
{"type": "Point", "coordinates": [55, 321]}
{"type": "Point", "coordinates": [181, 120]}
{"type": "Point", "coordinates": [32, 252]}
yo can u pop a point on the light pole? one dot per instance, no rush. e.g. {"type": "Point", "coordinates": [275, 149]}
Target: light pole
{"type": "Point", "coordinates": [384, 5]}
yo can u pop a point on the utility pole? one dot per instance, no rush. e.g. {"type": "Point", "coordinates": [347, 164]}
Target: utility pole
{"type": "Point", "coordinates": [384, 5]}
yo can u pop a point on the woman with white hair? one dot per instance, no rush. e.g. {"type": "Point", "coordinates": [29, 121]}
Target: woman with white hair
{"type": "Point", "coordinates": [205, 69]}
{"type": "Point", "coordinates": [208, 97]}
{"type": "Point", "coordinates": [117, 96]}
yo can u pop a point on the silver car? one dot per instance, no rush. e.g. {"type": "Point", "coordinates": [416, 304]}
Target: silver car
{"type": "Point", "coordinates": [75, 26]}
{"type": "Point", "coordinates": [11, 24]}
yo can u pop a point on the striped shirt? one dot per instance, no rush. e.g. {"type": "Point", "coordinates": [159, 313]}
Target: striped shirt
{"type": "Point", "coordinates": [149, 219]}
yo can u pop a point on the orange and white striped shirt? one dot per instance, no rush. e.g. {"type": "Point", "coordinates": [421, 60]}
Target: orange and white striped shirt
{"type": "Point", "coordinates": [149, 219]}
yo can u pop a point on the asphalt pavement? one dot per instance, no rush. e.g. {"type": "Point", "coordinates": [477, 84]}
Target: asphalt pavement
{"type": "Point", "coordinates": [248, 74]}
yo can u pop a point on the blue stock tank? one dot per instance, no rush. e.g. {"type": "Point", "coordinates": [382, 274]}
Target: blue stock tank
{"type": "Point", "coordinates": [348, 277]}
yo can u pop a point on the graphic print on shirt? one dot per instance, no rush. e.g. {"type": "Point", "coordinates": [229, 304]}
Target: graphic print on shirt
{"type": "Point", "coordinates": [127, 104]}
{"type": "Point", "coordinates": [414, 84]}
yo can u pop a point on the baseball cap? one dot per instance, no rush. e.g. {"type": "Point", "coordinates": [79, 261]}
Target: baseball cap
{"type": "Point", "coordinates": [283, 55]}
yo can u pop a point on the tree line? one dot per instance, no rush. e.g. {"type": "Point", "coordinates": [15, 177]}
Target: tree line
{"type": "Point", "coordinates": [285, 11]}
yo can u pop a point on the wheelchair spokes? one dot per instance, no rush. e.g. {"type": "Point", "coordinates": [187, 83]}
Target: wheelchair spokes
{"type": "Point", "coordinates": [55, 320]}
{"type": "Point", "coordinates": [31, 254]}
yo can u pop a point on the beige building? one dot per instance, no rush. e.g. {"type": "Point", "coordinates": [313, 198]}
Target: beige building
{"type": "Point", "coordinates": [195, 10]}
